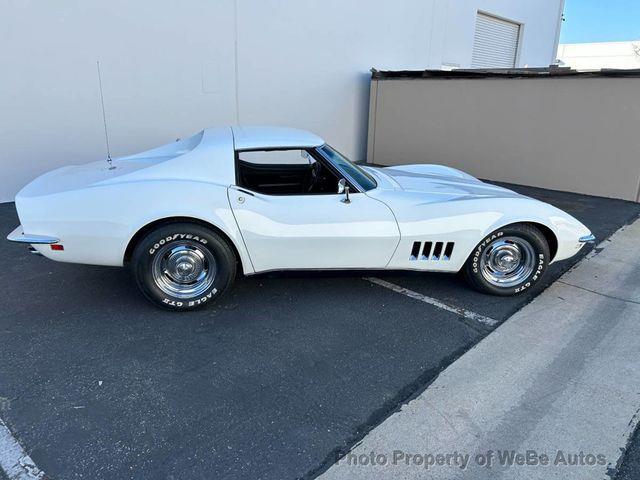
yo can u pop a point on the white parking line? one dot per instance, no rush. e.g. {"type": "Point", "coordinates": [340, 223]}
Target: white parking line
{"type": "Point", "coordinates": [14, 461]}
{"type": "Point", "coordinates": [492, 322]}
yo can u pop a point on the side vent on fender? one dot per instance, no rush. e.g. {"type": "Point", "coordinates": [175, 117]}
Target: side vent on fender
{"type": "Point", "coordinates": [415, 251]}
{"type": "Point", "coordinates": [427, 251]}
{"type": "Point", "coordinates": [437, 251]}
{"type": "Point", "coordinates": [448, 251]}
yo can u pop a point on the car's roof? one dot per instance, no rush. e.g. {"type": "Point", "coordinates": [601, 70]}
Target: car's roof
{"type": "Point", "coordinates": [246, 138]}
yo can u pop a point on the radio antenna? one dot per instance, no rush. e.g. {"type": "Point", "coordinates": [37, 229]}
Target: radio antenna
{"type": "Point", "coordinates": [104, 119]}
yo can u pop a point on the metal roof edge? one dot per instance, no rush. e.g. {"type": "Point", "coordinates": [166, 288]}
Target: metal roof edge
{"type": "Point", "coordinates": [546, 72]}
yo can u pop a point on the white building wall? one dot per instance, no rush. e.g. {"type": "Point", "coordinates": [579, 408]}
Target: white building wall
{"type": "Point", "coordinates": [595, 56]}
{"type": "Point", "coordinates": [171, 68]}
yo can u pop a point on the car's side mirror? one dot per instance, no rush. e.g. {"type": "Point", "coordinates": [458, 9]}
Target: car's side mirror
{"type": "Point", "coordinates": [344, 188]}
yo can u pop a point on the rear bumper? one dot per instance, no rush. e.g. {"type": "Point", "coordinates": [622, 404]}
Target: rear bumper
{"type": "Point", "coordinates": [19, 236]}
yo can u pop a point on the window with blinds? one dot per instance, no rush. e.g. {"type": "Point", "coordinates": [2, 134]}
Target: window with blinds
{"type": "Point", "coordinates": [496, 42]}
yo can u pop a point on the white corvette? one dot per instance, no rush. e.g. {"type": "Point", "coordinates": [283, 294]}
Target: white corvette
{"type": "Point", "coordinates": [186, 216]}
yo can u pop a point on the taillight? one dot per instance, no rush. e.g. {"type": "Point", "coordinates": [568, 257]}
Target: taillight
{"type": "Point", "coordinates": [56, 246]}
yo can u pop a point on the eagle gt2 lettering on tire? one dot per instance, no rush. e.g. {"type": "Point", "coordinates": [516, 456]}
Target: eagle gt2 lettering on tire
{"type": "Point", "coordinates": [191, 303]}
{"type": "Point", "coordinates": [176, 236]}
{"type": "Point", "coordinates": [541, 265]}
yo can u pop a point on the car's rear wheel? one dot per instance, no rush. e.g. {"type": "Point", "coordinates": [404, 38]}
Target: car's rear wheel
{"type": "Point", "coordinates": [183, 266]}
{"type": "Point", "coordinates": [508, 261]}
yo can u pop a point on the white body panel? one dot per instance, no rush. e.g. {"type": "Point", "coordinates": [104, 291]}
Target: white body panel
{"type": "Point", "coordinates": [440, 204]}
{"type": "Point", "coordinates": [95, 211]}
{"type": "Point", "coordinates": [315, 231]}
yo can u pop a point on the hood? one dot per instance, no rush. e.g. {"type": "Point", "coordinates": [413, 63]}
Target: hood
{"type": "Point", "coordinates": [438, 180]}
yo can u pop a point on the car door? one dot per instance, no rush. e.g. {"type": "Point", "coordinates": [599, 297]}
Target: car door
{"type": "Point", "coordinates": [314, 231]}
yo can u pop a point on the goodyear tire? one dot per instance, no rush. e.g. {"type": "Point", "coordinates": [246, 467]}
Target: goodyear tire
{"type": "Point", "coordinates": [183, 266]}
{"type": "Point", "coordinates": [509, 261]}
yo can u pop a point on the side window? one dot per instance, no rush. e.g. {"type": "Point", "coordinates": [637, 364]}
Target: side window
{"type": "Point", "coordinates": [284, 172]}
{"type": "Point", "coordinates": [275, 157]}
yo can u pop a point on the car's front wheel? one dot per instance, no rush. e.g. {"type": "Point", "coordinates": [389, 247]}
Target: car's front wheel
{"type": "Point", "coordinates": [183, 266]}
{"type": "Point", "coordinates": [508, 261]}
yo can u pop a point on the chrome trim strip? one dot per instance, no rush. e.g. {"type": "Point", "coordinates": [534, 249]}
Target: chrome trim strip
{"type": "Point", "coordinates": [587, 239]}
{"type": "Point", "coordinates": [19, 236]}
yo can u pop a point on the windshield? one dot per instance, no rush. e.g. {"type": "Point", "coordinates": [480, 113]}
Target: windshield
{"type": "Point", "coordinates": [358, 175]}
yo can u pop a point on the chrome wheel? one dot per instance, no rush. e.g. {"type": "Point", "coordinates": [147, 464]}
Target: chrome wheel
{"type": "Point", "coordinates": [184, 269]}
{"type": "Point", "coordinates": [508, 262]}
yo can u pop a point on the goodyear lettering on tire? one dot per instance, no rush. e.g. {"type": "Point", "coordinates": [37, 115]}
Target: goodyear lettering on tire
{"type": "Point", "coordinates": [478, 252]}
{"type": "Point", "coordinates": [176, 236]}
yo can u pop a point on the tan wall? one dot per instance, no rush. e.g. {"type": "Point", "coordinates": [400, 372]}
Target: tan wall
{"type": "Point", "coordinates": [575, 134]}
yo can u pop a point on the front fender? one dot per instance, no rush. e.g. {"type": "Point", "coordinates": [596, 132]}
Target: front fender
{"type": "Point", "coordinates": [566, 229]}
{"type": "Point", "coordinates": [466, 222]}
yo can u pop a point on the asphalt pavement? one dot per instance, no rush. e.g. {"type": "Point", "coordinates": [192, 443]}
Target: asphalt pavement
{"type": "Point", "coordinates": [557, 385]}
{"type": "Point", "coordinates": [273, 382]}
{"type": "Point", "coordinates": [629, 465]}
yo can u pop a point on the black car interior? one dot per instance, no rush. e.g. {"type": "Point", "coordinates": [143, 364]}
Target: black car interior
{"type": "Point", "coordinates": [312, 177]}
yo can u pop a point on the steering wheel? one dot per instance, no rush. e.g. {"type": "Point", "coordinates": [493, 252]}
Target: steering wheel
{"type": "Point", "coordinates": [314, 173]}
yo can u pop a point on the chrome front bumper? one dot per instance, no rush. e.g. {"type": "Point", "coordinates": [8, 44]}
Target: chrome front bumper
{"type": "Point", "coordinates": [19, 236]}
{"type": "Point", "coordinates": [587, 239]}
